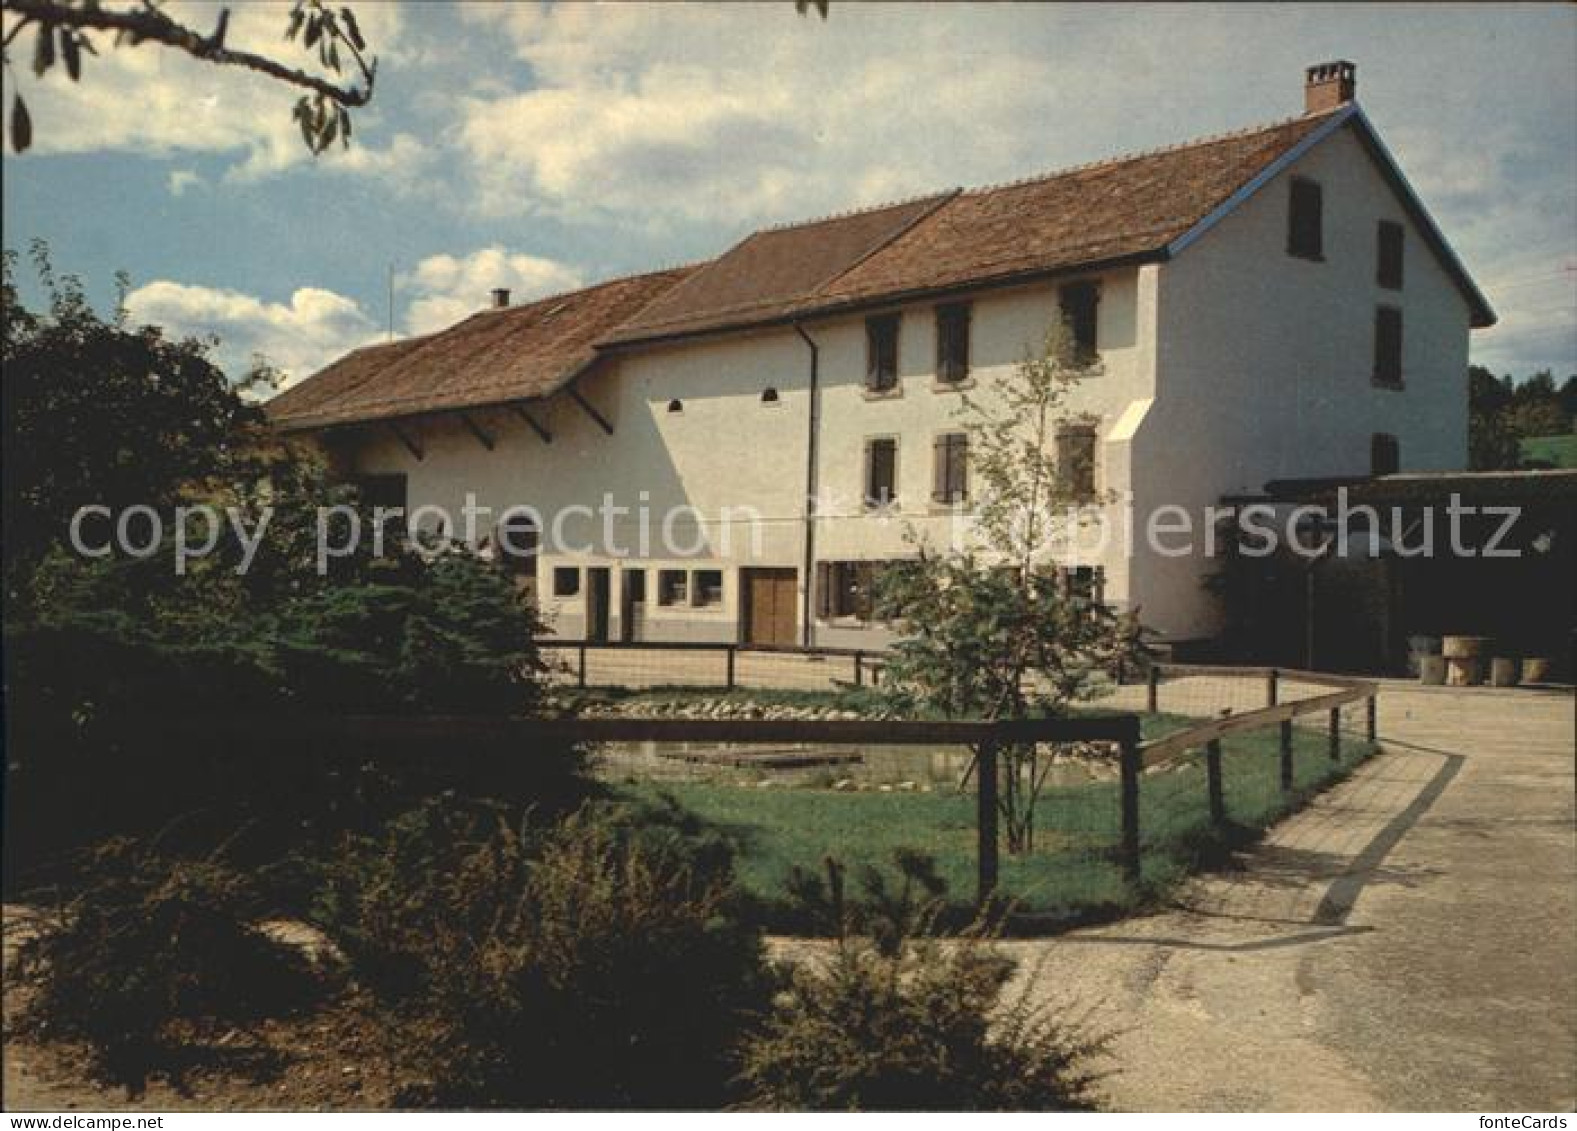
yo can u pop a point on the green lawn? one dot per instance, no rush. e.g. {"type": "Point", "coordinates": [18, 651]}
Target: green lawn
{"type": "Point", "coordinates": [1073, 871]}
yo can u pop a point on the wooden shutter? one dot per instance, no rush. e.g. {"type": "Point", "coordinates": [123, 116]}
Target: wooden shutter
{"type": "Point", "coordinates": [864, 580]}
{"type": "Point", "coordinates": [1076, 460]}
{"type": "Point", "coordinates": [1388, 345]}
{"type": "Point", "coordinates": [1079, 302]}
{"type": "Point", "coordinates": [952, 342]}
{"type": "Point", "coordinates": [1305, 234]}
{"type": "Point", "coordinates": [1389, 239]}
{"type": "Point", "coordinates": [824, 586]}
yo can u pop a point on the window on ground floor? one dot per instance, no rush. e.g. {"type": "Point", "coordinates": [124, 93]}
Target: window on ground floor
{"type": "Point", "coordinates": [566, 581]}
{"type": "Point", "coordinates": [707, 588]}
{"type": "Point", "coordinates": [673, 586]}
{"type": "Point", "coordinates": [1385, 454]}
{"type": "Point", "coordinates": [847, 589]}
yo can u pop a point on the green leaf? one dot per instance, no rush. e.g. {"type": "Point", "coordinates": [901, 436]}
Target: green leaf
{"type": "Point", "coordinates": [21, 125]}
{"type": "Point", "coordinates": [314, 30]}
{"type": "Point", "coordinates": [44, 49]}
{"type": "Point", "coordinates": [353, 29]}
{"type": "Point", "coordinates": [68, 52]}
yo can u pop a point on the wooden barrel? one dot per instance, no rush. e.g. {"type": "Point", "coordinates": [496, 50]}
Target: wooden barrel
{"type": "Point", "coordinates": [1465, 657]}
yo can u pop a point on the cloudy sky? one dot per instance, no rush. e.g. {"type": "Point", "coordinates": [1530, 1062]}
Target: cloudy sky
{"type": "Point", "coordinates": [541, 147]}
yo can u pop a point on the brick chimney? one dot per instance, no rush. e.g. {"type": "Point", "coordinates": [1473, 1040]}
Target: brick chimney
{"type": "Point", "coordinates": [500, 297]}
{"type": "Point", "coordinates": [1329, 85]}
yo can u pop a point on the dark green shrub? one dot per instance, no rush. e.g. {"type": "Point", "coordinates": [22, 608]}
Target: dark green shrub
{"type": "Point", "coordinates": [595, 963]}
{"type": "Point", "coordinates": [903, 1019]}
{"type": "Point", "coordinates": [151, 957]}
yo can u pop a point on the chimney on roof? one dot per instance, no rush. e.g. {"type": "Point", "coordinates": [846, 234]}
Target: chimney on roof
{"type": "Point", "coordinates": [500, 297]}
{"type": "Point", "coordinates": [1329, 85]}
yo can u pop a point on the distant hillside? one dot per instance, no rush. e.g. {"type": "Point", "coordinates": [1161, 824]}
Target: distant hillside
{"type": "Point", "coordinates": [1557, 451]}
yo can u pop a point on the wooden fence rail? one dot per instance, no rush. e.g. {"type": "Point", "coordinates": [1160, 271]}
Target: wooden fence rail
{"type": "Point", "coordinates": [434, 736]}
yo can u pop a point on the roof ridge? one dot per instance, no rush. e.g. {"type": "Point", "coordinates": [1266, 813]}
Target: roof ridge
{"type": "Point", "coordinates": [538, 300]}
{"type": "Point", "coordinates": [1033, 178]}
{"type": "Point", "coordinates": [859, 210]}
{"type": "Point", "coordinates": [1140, 154]}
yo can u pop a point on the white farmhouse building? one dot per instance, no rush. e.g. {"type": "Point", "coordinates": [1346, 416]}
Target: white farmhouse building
{"type": "Point", "coordinates": [1269, 304]}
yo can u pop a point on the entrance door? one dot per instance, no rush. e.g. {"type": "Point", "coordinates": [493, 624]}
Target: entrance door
{"type": "Point", "coordinates": [632, 610]}
{"type": "Point", "coordinates": [598, 588]}
{"type": "Point", "coordinates": [768, 602]}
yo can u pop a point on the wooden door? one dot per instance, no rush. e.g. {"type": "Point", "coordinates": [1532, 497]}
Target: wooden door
{"type": "Point", "coordinates": [597, 594]}
{"type": "Point", "coordinates": [768, 600]}
{"type": "Point", "coordinates": [632, 612]}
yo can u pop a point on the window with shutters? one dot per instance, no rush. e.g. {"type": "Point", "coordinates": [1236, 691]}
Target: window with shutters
{"type": "Point", "coordinates": [952, 343]}
{"type": "Point", "coordinates": [518, 539]}
{"type": "Point", "coordinates": [1385, 454]}
{"type": "Point", "coordinates": [881, 353]}
{"type": "Point", "coordinates": [1388, 346]}
{"type": "Point", "coordinates": [1078, 303]}
{"type": "Point", "coordinates": [847, 590]}
{"type": "Point", "coordinates": [1388, 254]}
{"type": "Point", "coordinates": [566, 581]}
{"type": "Point", "coordinates": [1305, 224]}
{"type": "Point", "coordinates": [881, 472]}
{"type": "Point", "coordinates": [388, 494]}
{"type": "Point", "coordinates": [1076, 460]}
{"type": "Point", "coordinates": [950, 476]}
{"type": "Point", "coordinates": [707, 588]}
{"type": "Point", "coordinates": [672, 586]}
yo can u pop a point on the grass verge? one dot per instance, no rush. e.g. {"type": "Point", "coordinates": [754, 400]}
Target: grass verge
{"type": "Point", "coordinates": [1072, 875]}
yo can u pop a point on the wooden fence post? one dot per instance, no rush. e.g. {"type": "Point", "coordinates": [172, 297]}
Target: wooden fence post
{"type": "Point", "coordinates": [581, 676]}
{"type": "Point", "coordinates": [1129, 848]}
{"type": "Point", "coordinates": [1369, 722]}
{"type": "Point", "coordinates": [1272, 681]}
{"type": "Point", "coordinates": [859, 669]}
{"type": "Point", "coordinates": [732, 652]}
{"type": "Point", "coordinates": [1336, 734]}
{"type": "Point", "coordinates": [1152, 695]}
{"type": "Point", "coordinates": [1286, 756]}
{"type": "Point", "coordinates": [986, 819]}
{"type": "Point", "coordinates": [1218, 801]}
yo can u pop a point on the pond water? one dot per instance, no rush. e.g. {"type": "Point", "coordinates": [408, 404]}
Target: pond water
{"type": "Point", "coordinates": [921, 767]}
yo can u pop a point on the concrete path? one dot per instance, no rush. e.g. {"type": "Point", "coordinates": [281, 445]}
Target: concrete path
{"type": "Point", "coordinates": [1409, 942]}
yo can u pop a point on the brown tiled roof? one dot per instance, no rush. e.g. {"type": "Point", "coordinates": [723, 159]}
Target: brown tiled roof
{"type": "Point", "coordinates": [340, 380]}
{"type": "Point", "coordinates": [1117, 209]}
{"type": "Point", "coordinates": [1130, 209]}
{"type": "Point", "coordinates": [777, 267]}
{"type": "Point", "coordinates": [494, 357]}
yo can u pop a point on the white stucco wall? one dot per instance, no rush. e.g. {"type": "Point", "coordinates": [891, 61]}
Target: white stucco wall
{"type": "Point", "coordinates": [1265, 362]}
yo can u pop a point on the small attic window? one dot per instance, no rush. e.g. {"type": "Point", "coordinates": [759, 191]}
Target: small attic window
{"type": "Point", "coordinates": [769, 395]}
{"type": "Point", "coordinates": [676, 405]}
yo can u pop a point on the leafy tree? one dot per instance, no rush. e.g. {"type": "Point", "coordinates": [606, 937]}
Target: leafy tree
{"type": "Point", "coordinates": [996, 629]}
{"type": "Point", "coordinates": [1503, 412]}
{"type": "Point", "coordinates": [63, 32]}
{"type": "Point", "coordinates": [99, 412]}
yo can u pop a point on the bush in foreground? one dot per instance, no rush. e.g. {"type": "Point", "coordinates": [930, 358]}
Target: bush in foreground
{"type": "Point", "coordinates": [593, 964]}
{"type": "Point", "coordinates": [901, 1019]}
{"type": "Point", "coordinates": [150, 957]}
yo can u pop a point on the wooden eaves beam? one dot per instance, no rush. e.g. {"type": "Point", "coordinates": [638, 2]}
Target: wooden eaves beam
{"type": "Point", "coordinates": [542, 433]}
{"type": "Point", "coordinates": [482, 436]}
{"type": "Point", "coordinates": [601, 420]}
{"type": "Point", "coordinates": [410, 444]}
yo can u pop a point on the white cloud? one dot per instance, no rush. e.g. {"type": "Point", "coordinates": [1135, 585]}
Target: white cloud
{"type": "Point", "coordinates": [154, 100]}
{"type": "Point", "coordinates": [704, 121]}
{"type": "Point", "coordinates": [444, 289]}
{"type": "Point", "coordinates": [299, 337]}
{"type": "Point", "coordinates": [183, 179]}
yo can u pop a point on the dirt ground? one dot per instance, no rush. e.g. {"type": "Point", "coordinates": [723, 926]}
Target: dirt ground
{"type": "Point", "coordinates": [1409, 942]}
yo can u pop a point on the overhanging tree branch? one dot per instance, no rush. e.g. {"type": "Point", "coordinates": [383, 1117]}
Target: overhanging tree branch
{"type": "Point", "coordinates": [323, 112]}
